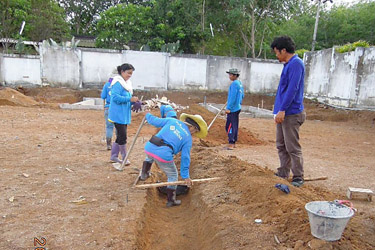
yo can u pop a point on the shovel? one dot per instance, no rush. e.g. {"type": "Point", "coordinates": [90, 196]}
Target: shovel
{"type": "Point", "coordinates": [209, 126]}
{"type": "Point", "coordinates": [119, 166]}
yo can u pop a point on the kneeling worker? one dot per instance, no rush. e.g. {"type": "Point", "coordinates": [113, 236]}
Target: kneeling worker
{"type": "Point", "coordinates": [174, 137]}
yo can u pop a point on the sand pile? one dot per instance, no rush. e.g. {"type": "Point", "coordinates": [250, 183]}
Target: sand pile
{"type": "Point", "coordinates": [248, 192]}
{"type": "Point", "coordinates": [217, 134]}
{"type": "Point", "coordinates": [12, 97]}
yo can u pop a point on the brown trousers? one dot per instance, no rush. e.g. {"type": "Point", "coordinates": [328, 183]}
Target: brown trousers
{"type": "Point", "coordinates": [287, 144]}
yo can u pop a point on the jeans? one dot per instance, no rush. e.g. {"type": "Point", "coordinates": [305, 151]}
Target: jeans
{"type": "Point", "coordinates": [108, 125]}
{"type": "Point", "coordinates": [169, 168]}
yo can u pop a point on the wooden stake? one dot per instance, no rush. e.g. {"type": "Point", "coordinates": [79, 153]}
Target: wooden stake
{"type": "Point", "coordinates": [162, 184]}
{"type": "Point", "coordinates": [321, 178]}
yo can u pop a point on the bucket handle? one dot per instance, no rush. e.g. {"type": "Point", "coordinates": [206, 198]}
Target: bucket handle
{"type": "Point", "coordinates": [345, 202]}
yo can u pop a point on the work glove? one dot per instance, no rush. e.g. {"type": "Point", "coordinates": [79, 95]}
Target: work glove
{"type": "Point", "coordinates": [137, 106]}
{"type": "Point", "coordinates": [283, 188]}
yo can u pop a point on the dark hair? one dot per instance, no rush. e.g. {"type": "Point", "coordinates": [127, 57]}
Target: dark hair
{"type": "Point", "coordinates": [284, 42]}
{"type": "Point", "coordinates": [124, 67]}
{"type": "Point", "coordinates": [193, 123]}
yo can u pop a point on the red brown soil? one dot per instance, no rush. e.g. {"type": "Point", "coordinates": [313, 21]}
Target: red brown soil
{"type": "Point", "coordinates": [44, 144]}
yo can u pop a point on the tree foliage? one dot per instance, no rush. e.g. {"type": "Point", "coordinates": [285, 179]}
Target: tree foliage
{"type": "Point", "coordinates": [337, 26]}
{"type": "Point", "coordinates": [13, 12]}
{"type": "Point", "coordinates": [83, 14]}
{"type": "Point", "coordinates": [44, 19]}
{"type": "Point", "coordinates": [124, 24]}
{"type": "Point", "coordinates": [239, 27]}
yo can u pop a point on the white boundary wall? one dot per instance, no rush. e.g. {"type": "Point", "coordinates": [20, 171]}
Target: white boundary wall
{"type": "Point", "coordinates": [346, 80]}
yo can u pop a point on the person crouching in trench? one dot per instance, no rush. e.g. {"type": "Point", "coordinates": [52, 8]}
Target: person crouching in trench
{"type": "Point", "coordinates": [174, 137]}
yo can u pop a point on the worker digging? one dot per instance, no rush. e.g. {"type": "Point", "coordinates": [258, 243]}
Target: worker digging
{"type": "Point", "coordinates": [174, 137]}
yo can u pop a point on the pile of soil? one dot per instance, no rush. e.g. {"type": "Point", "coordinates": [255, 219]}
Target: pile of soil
{"type": "Point", "coordinates": [221, 214]}
{"type": "Point", "coordinates": [12, 97]}
{"type": "Point", "coordinates": [217, 134]}
{"type": "Point", "coordinates": [59, 95]}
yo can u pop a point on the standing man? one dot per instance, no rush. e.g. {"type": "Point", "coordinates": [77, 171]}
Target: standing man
{"type": "Point", "coordinates": [235, 96]}
{"type": "Point", "coordinates": [288, 110]}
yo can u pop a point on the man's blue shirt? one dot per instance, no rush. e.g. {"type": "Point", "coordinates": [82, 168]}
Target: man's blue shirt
{"type": "Point", "coordinates": [175, 133]}
{"type": "Point", "coordinates": [289, 95]}
{"type": "Point", "coordinates": [235, 96]}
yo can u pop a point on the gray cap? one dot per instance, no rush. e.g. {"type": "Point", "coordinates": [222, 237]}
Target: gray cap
{"type": "Point", "coordinates": [233, 71]}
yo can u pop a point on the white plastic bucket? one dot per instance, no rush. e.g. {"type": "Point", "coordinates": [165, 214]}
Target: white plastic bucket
{"type": "Point", "coordinates": [328, 219]}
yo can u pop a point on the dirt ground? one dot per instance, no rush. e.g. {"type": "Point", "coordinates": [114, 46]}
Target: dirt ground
{"type": "Point", "coordinates": [58, 186]}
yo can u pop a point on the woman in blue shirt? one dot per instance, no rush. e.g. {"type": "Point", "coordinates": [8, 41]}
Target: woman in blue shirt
{"type": "Point", "coordinates": [119, 112]}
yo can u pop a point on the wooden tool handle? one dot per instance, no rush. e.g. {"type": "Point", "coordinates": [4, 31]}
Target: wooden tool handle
{"type": "Point", "coordinates": [321, 178]}
{"type": "Point", "coordinates": [161, 184]}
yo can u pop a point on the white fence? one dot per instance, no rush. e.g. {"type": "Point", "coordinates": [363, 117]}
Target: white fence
{"type": "Point", "coordinates": [346, 80]}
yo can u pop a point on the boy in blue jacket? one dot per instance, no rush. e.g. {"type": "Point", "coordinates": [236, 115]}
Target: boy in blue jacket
{"type": "Point", "coordinates": [235, 96]}
{"type": "Point", "coordinates": [174, 137]}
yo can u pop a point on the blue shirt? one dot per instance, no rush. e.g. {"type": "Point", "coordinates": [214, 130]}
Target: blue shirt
{"type": "Point", "coordinates": [235, 96]}
{"type": "Point", "coordinates": [105, 95]}
{"type": "Point", "coordinates": [167, 111]}
{"type": "Point", "coordinates": [120, 105]}
{"type": "Point", "coordinates": [289, 95]}
{"type": "Point", "coordinates": [175, 133]}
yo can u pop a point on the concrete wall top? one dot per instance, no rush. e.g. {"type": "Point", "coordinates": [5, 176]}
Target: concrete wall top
{"type": "Point", "coordinates": [217, 66]}
{"type": "Point", "coordinates": [341, 80]}
{"type": "Point", "coordinates": [366, 78]}
{"type": "Point", "coordinates": [187, 73]}
{"type": "Point", "coordinates": [20, 70]}
{"type": "Point", "coordinates": [264, 76]}
{"type": "Point", "coordinates": [317, 77]}
{"type": "Point", "coordinates": [97, 67]}
{"type": "Point", "coordinates": [61, 67]}
{"type": "Point", "coordinates": [151, 69]}
{"type": "Point", "coordinates": [102, 50]}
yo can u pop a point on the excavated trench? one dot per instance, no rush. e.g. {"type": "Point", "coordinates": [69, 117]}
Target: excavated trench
{"type": "Point", "coordinates": [188, 226]}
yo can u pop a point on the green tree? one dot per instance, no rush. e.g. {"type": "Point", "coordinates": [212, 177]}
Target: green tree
{"type": "Point", "coordinates": [83, 14]}
{"type": "Point", "coordinates": [344, 25]}
{"type": "Point", "coordinates": [337, 26]}
{"type": "Point", "coordinates": [124, 24]}
{"type": "Point", "coordinates": [46, 19]}
{"type": "Point", "coordinates": [176, 20]}
{"type": "Point", "coordinates": [250, 23]}
{"type": "Point", "coordinates": [12, 14]}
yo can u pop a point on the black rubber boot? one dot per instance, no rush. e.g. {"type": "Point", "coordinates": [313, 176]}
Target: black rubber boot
{"type": "Point", "coordinates": [145, 170]}
{"type": "Point", "coordinates": [171, 196]}
{"type": "Point", "coordinates": [109, 143]}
